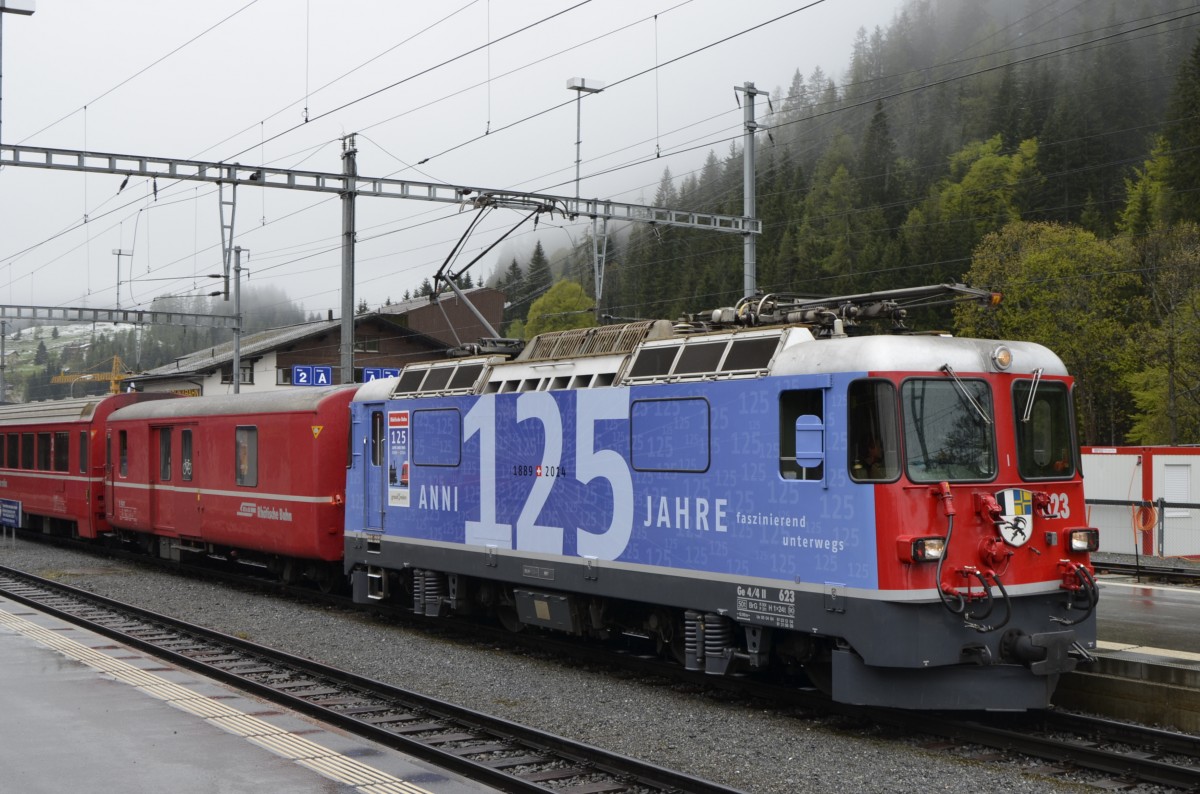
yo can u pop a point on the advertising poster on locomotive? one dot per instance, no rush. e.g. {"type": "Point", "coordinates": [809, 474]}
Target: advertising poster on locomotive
{"type": "Point", "coordinates": [398, 459]}
{"type": "Point", "coordinates": [687, 477]}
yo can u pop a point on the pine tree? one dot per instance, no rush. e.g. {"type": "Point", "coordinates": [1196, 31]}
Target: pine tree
{"type": "Point", "coordinates": [879, 186]}
{"type": "Point", "coordinates": [1182, 136]}
{"type": "Point", "coordinates": [513, 286]}
{"type": "Point", "coordinates": [539, 278]}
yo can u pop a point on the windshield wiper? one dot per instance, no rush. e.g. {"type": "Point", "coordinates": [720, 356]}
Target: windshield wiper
{"type": "Point", "coordinates": [962, 389]}
{"type": "Point", "coordinates": [1037, 378]}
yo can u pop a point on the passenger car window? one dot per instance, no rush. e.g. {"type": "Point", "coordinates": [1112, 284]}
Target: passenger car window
{"type": "Point", "coordinates": [246, 444]}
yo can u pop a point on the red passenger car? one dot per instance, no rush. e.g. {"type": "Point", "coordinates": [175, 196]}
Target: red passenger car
{"type": "Point", "coordinates": [51, 460]}
{"type": "Point", "coordinates": [254, 477]}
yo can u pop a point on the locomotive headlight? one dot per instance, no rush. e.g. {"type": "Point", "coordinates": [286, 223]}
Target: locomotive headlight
{"type": "Point", "coordinates": [921, 549]}
{"type": "Point", "coordinates": [1085, 539]}
{"type": "Point", "coordinates": [1002, 358]}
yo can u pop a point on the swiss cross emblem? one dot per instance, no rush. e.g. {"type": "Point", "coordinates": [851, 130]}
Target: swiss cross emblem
{"type": "Point", "coordinates": [1016, 515]}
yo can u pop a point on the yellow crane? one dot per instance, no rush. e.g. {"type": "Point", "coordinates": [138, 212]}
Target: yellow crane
{"type": "Point", "coordinates": [118, 374]}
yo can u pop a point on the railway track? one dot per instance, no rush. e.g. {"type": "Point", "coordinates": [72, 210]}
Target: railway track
{"type": "Point", "coordinates": [1114, 754]}
{"type": "Point", "coordinates": [498, 753]}
{"type": "Point", "coordinates": [1156, 571]}
{"type": "Point", "coordinates": [1123, 755]}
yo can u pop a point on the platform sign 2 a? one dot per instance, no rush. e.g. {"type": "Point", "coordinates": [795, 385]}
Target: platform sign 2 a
{"type": "Point", "coordinates": [307, 375]}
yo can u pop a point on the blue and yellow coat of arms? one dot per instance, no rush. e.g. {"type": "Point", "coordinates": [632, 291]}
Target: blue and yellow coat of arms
{"type": "Point", "coordinates": [1016, 515]}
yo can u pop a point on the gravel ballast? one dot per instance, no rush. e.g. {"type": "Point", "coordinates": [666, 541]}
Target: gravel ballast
{"type": "Point", "coordinates": [711, 735]}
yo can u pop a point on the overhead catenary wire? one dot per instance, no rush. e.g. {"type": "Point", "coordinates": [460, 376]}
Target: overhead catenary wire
{"type": "Point", "coordinates": [142, 71]}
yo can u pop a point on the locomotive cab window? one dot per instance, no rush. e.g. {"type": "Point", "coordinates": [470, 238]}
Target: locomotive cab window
{"type": "Point", "coordinates": [1045, 443]}
{"type": "Point", "coordinates": [949, 433]}
{"type": "Point", "coordinates": [83, 452]}
{"type": "Point", "coordinates": [802, 434]}
{"type": "Point", "coordinates": [874, 436]}
{"type": "Point", "coordinates": [246, 450]}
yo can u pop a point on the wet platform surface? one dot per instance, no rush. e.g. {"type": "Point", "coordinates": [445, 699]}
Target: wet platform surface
{"type": "Point", "coordinates": [1148, 614]}
{"type": "Point", "coordinates": [1147, 664]}
{"type": "Point", "coordinates": [84, 713]}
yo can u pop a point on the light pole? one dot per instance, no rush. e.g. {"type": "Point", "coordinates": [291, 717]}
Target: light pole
{"type": "Point", "coordinates": [77, 380]}
{"type": "Point", "coordinates": [25, 8]}
{"type": "Point", "coordinates": [581, 86]}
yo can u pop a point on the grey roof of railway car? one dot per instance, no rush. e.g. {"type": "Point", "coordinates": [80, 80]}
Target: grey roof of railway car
{"type": "Point", "coordinates": [278, 401]}
{"type": "Point", "coordinates": [49, 410]}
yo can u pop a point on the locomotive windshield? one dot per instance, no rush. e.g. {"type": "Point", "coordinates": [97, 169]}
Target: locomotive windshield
{"type": "Point", "coordinates": [1044, 440]}
{"type": "Point", "coordinates": [948, 430]}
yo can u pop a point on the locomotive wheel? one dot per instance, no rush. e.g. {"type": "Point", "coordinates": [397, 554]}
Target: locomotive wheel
{"type": "Point", "coordinates": [290, 573]}
{"type": "Point", "coordinates": [326, 579]}
{"type": "Point", "coordinates": [668, 638]}
{"type": "Point", "coordinates": [671, 647]}
{"type": "Point", "coordinates": [148, 544]}
{"type": "Point", "coordinates": [507, 615]}
{"type": "Point", "coordinates": [820, 674]}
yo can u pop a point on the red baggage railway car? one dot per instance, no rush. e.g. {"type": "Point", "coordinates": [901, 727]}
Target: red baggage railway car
{"type": "Point", "coordinates": [52, 461]}
{"type": "Point", "coordinates": [256, 477]}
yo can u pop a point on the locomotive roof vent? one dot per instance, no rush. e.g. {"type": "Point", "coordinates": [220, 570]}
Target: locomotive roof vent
{"type": "Point", "coordinates": [710, 356]}
{"type": "Point", "coordinates": [589, 372]}
{"type": "Point", "coordinates": [595, 341]}
{"type": "Point", "coordinates": [437, 379]}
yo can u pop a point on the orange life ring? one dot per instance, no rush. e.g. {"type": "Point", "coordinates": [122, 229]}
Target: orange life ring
{"type": "Point", "coordinates": [1145, 518]}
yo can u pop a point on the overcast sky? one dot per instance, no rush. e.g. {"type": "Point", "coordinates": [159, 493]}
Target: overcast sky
{"type": "Point", "coordinates": [235, 80]}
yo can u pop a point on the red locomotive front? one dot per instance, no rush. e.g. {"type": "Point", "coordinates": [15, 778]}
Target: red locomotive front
{"type": "Point", "coordinates": [1008, 508]}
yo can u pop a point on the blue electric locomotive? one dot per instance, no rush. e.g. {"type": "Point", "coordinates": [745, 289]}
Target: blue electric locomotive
{"type": "Point", "coordinates": [747, 495]}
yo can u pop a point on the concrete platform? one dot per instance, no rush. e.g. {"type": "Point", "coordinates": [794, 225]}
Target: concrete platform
{"type": "Point", "coordinates": [82, 713]}
{"type": "Point", "coordinates": [1147, 664]}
